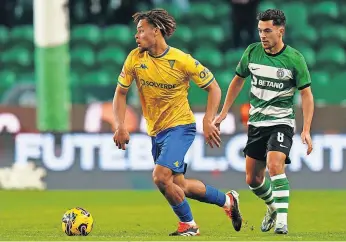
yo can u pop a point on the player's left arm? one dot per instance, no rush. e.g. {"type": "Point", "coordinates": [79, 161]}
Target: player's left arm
{"type": "Point", "coordinates": [308, 112]}
{"type": "Point", "coordinates": [206, 80]}
{"type": "Point", "coordinates": [303, 84]}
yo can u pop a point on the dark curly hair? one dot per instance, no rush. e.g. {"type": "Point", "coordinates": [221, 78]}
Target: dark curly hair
{"type": "Point", "coordinates": [158, 18]}
{"type": "Point", "coordinates": [276, 15]}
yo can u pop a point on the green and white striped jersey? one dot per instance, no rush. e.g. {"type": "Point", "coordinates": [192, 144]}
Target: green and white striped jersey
{"type": "Point", "coordinates": [274, 80]}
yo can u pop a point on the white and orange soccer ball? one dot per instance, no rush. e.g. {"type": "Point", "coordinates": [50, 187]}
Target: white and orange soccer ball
{"type": "Point", "coordinates": [77, 221]}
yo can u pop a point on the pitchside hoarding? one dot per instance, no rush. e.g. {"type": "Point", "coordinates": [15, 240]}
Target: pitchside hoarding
{"type": "Point", "coordinates": [91, 161]}
{"type": "Point", "coordinates": [86, 158]}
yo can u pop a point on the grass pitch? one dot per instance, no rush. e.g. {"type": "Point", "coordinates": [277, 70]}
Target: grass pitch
{"type": "Point", "coordinates": [145, 215]}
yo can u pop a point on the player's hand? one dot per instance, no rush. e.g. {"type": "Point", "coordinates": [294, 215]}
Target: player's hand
{"type": "Point", "coordinates": [211, 133]}
{"type": "Point", "coordinates": [121, 137]}
{"type": "Point", "coordinates": [306, 139]}
{"type": "Point", "coordinates": [218, 120]}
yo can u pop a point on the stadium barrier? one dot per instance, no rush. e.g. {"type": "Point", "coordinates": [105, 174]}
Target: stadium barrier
{"type": "Point", "coordinates": [92, 161]}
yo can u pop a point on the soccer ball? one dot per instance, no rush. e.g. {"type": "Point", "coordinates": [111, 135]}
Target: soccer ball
{"type": "Point", "coordinates": [77, 221]}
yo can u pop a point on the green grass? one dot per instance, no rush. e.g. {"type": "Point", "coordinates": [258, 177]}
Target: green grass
{"type": "Point", "coordinates": [145, 215]}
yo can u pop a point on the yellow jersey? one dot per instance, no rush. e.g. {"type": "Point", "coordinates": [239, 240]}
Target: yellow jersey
{"type": "Point", "coordinates": [163, 83]}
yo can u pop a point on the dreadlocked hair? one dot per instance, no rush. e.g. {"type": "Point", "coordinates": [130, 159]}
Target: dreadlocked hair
{"type": "Point", "coordinates": [158, 18]}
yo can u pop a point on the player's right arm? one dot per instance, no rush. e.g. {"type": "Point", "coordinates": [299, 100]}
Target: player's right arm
{"type": "Point", "coordinates": [205, 80]}
{"type": "Point", "coordinates": [121, 135]}
{"type": "Point", "coordinates": [233, 91]}
{"type": "Point", "coordinates": [237, 83]}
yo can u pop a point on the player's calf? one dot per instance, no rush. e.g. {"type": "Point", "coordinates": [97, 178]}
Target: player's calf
{"type": "Point", "coordinates": [264, 192]}
{"type": "Point", "coordinates": [281, 187]}
{"type": "Point", "coordinates": [229, 202]}
{"type": "Point", "coordinates": [162, 178]}
{"type": "Point", "coordinates": [176, 198]}
{"type": "Point", "coordinates": [281, 195]}
{"type": "Point", "coordinates": [197, 190]}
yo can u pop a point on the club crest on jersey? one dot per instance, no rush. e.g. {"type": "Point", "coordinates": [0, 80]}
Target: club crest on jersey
{"type": "Point", "coordinates": [280, 73]}
{"type": "Point", "coordinates": [171, 63]}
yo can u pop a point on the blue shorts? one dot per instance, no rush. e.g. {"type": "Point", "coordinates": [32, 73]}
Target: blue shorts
{"type": "Point", "coordinates": [170, 146]}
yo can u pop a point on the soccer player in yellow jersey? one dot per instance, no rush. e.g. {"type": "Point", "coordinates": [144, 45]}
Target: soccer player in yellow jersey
{"type": "Point", "coordinates": [162, 74]}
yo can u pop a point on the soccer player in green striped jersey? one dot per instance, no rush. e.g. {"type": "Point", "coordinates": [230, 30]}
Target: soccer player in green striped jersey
{"type": "Point", "coordinates": [276, 71]}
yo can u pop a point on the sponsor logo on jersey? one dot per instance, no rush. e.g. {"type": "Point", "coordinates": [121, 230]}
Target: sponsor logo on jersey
{"type": "Point", "coordinates": [265, 83]}
{"type": "Point", "coordinates": [157, 84]}
{"type": "Point", "coordinates": [204, 74]}
{"type": "Point", "coordinates": [143, 66]}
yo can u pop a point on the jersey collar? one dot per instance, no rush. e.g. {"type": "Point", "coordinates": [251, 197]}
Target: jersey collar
{"type": "Point", "coordinates": [276, 54]}
{"type": "Point", "coordinates": [163, 54]}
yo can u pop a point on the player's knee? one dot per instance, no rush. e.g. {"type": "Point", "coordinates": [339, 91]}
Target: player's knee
{"type": "Point", "coordinates": [161, 181]}
{"type": "Point", "coordinates": [254, 180]}
{"type": "Point", "coordinates": [276, 168]}
{"type": "Point", "coordinates": [276, 163]}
